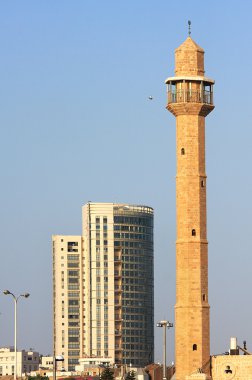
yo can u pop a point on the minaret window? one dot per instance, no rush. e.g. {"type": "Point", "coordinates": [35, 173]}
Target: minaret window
{"type": "Point", "coordinates": [203, 297]}
{"type": "Point", "coordinates": [182, 151]}
{"type": "Point", "coordinates": [193, 232]}
{"type": "Point", "coordinates": [194, 347]}
{"type": "Point", "coordinates": [202, 183]}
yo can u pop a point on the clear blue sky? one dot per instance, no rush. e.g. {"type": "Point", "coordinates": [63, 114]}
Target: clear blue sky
{"type": "Point", "coordinates": [77, 125]}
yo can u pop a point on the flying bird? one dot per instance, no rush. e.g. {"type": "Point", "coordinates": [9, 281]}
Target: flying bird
{"type": "Point", "coordinates": [150, 97]}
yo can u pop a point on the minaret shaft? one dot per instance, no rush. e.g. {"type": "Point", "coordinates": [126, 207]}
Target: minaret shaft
{"type": "Point", "coordinates": [192, 309]}
{"type": "Point", "coordinates": [191, 177]}
{"type": "Point", "coordinates": [190, 99]}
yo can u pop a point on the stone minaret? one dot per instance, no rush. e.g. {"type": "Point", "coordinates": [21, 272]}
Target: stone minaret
{"type": "Point", "coordinates": [190, 100]}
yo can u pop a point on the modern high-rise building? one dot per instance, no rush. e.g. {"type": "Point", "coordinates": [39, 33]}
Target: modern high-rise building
{"type": "Point", "coordinates": [190, 99]}
{"type": "Point", "coordinates": [104, 288]}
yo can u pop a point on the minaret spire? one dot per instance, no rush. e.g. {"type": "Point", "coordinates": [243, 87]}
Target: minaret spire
{"type": "Point", "coordinates": [189, 28]}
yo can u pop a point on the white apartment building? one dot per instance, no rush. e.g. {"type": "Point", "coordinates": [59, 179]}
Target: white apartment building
{"type": "Point", "coordinates": [103, 287]}
{"type": "Point", "coordinates": [27, 361]}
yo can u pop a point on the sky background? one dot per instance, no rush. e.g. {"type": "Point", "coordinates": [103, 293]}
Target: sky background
{"type": "Point", "coordinates": [77, 125]}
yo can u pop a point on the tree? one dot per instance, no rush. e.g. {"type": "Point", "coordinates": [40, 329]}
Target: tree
{"type": "Point", "coordinates": [107, 374]}
{"type": "Point", "coordinates": [38, 377]}
{"type": "Point", "coordinates": [131, 375]}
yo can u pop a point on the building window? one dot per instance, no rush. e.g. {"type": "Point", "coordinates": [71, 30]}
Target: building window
{"type": "Point", "coordinates": [72, 257]}
{"type": "Point", "coordinates": [193, 232]}
{"type": "Point", "coordinates": [71, 245]}
{"type": "Point", "coordinates": [203, 297]}
{"type": "Point", "coordinates": [202, 183]}
{"type": "Point", "coordinates": [73, 273]}
{"type": "Point", "coordinates": [182, 151]}
{"type": "Point", "coordinates": [194, 347]}
{"type": "Point", "coordinates": [73, 302]}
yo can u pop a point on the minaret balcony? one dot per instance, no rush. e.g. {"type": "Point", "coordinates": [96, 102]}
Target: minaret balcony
{"type": "Point", "coordinates": [190, 96]}
{"type": "Point", "coordinates": [190, 90]}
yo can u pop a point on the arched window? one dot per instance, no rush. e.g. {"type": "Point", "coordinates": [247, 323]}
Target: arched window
{"type": "Point", "coordinates": [193, 232]}
{"type": "Point", "coordinates": [182, 151]}
{"type": "Point", "coordinates": [194, 347]}
{"type": "Point", "coordinates": [203, 297]}
{"type": "Point", "coordinates": [202, 183]}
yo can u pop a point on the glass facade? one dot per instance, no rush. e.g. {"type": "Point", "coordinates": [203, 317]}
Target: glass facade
{"type": "Point", "coordinates": [134, 306]}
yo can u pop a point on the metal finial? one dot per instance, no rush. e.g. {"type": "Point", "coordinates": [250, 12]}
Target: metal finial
{"type": "Point", "coordinates": [189, 27]}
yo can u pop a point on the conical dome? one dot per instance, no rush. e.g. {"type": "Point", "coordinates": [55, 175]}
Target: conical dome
{"type": "Point", "coordinates": [189, 59]}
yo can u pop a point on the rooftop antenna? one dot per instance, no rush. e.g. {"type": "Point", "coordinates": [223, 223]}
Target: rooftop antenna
{"type": "Point", "coordinates": [189, 28]}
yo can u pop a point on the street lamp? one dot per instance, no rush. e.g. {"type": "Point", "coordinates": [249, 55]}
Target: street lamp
{"type": "Point", "coordinates": [164, 324]}
{"type": "Point", "coordinates": [56, 359]}
{"type": "Point", "coordinates": [25, 295]}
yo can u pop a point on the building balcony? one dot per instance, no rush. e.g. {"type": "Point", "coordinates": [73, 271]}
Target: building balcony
{"type": "Point", "coordinates": [118, 347]}
{"type": "Point", "coordinates": [117, 274]}
{"type": "Point", "coordinates": [118, 259]}
{"type": "Point", "coordinates": [118, 290]}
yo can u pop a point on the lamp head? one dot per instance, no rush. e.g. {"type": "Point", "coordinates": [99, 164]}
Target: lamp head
{"type": "Point", "coordinates": [59, 358]}
{"type": "Point", "coordinates": [26, 295]}
{"type": "Point", "coordinates": [6, 292]}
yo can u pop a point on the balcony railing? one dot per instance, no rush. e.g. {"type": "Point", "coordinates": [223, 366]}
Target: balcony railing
{"type": "Point", "coordinates": [190, 96]}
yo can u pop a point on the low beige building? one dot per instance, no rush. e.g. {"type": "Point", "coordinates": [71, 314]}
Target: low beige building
{"type": "Point", "coordinates": [91, 366]}
{"type": "Point", "coordinates": [46, 362]}
{"type": "Point", "coordinates": [235, 367]}
{"type": "Point", "coordinates": [27, 361]}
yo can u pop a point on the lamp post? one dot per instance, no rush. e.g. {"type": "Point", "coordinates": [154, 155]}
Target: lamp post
{"type": "Point", "coordinates": [25, 295]}
{"type": "Point", "coordinates": [56, 359]}
{"type": "Point", "coordinates": [164, 324]}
